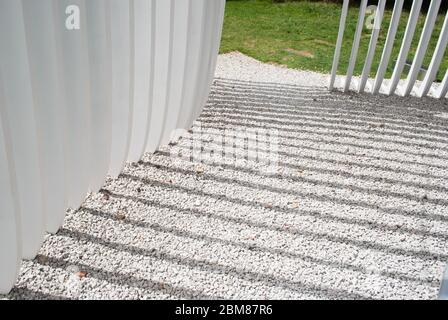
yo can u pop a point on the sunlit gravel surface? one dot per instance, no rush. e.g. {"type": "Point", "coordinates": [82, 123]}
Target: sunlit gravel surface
{"type": "Point", "coordinates": [284, 191]}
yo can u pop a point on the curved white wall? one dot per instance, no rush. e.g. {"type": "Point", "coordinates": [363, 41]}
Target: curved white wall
{"type": "Point", "coordinates": [76, 104]}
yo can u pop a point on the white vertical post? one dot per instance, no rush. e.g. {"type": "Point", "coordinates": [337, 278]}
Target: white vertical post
{"type": "Point", "coordinates": [443, 88]}
{"type": "Point", "coordinates": [395, 20]}
{"type": "Point", "coordinates": [422, 46]}
{"type": "Point", "coordinates": [74, 70]}
{"type": "Point", "coordinates": [48, 92]}
{"type": "Point", "coordinates": [100, 66]}
{"type": "Point", "coordinates": [372, 44]}
{"type": "Point", "coordinates": [163, 55]}
{"type": "Point", "coordinates": [122, 82]}
{"type": "Point", "coordinates": [10, 234]}
{"type": "Point", "coordinates": [182, 16]}
{"type": "Point", "coordinates": [18, 110]}
{"type": "Point", "coordinates": [406, 44]}
{"type": "Point", "coordinates": [436, 60]}
{"type": "Point", "coordinates": [354, 53]}
{"type": "Point", "coordinates": [337, 52]}
{"type": "Point", "coordinates": [143, 17]}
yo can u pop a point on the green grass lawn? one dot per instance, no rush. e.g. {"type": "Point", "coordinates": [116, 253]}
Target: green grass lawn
{"type": "Point", "coordinates": [303, 35]}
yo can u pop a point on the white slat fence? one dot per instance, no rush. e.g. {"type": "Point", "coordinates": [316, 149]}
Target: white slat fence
{"type": "Point", "coordinates": [76, 104]}
{"type": "Point", "coordinates": [409, 85]}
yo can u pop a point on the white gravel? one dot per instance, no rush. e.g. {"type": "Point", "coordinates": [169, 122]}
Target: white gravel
{"type": "Point", "coordinates": [357, 208]}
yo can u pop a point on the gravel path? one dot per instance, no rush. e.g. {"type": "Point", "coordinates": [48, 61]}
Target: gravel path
{"type": "Point", "coordinates": [354, 206]}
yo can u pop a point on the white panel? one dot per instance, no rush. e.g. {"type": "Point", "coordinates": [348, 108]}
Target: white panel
{"type": "Point", "coordinates": [48, 98]}
{"type": "Point", "coordinates": [436, 60]}
{"type": "Point", "coordinates": [122, 40]}
{"type": "Point", "coordinates": [422, 46]}
{"type": "Point", "coordinates": [80, 101]}
{"type": "Point", "coordinates": [177, 85]}
{"type": "Point", "coordinates": [163, 58]}
{"type": "Point", "coordinates": [395, 21]}
{"type": "Point", "coordinates": [74, 70]}
{"type": "Point", "coordinates": [197, 25]}
{"type": "Point", "coordinates": [18, 110]}
{"type": "Point", "coordinates": [205, 60]}
{"type": "Point", "coordinates": [143, 69]}
{"type": "Point", "coordinates": [354, 53]}
{"type": "Point", "coordinates": [337, 51]}
{"type": "Point", "coordinates": [10, 237]}
{"type": "Point", "coordinates": [407, 40]}
{"type": "Point", "coordinates": [216, 42]}
{"type": "Point", "coordinates": [443, 89]}
{"type": "Point", "coordinates": [100, 58]}
{"type": "Point", "coordinates": [372, 45]}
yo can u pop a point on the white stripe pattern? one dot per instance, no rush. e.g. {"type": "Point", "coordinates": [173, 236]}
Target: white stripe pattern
{"type": "Point", "coordinates": [75, 105]}
{"type": "Point", "coordinates": [393, 85]}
